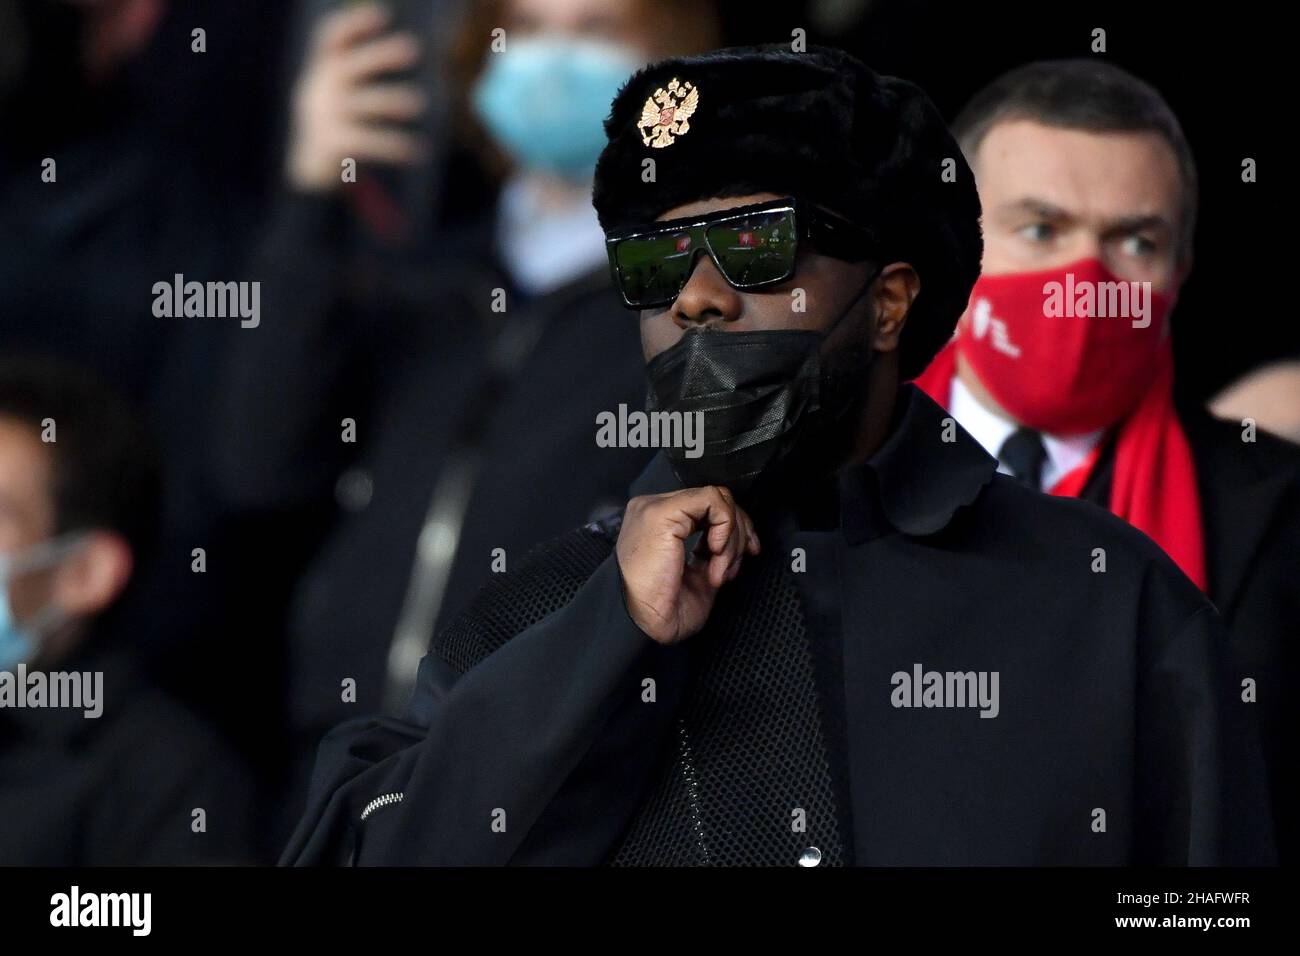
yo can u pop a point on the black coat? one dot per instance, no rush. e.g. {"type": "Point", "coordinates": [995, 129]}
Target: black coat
{"type": "Point", "coordinates": [1115, 694]}
{"type": "Point", "coordinates": [1250, 507]}
{"type": "Point", "coordinates": [120, 789]}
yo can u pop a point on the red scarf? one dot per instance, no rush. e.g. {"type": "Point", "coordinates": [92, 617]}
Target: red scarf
{"type": "Point", "coordinates": [1154, 487]}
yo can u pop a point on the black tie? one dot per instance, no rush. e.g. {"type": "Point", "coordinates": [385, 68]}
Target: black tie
{"type": "Point", "coordinates": [1024, 454]}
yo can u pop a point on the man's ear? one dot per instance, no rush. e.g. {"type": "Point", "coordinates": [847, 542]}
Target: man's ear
{"type": "Point", "coordinates": [897, 287]}
{"type": "Point", "coordinates": [90, 579]}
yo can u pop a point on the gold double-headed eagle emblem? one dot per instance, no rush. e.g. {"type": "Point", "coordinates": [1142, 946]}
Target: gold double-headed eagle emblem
{"type": "Point", "coordinates": [666, 115]}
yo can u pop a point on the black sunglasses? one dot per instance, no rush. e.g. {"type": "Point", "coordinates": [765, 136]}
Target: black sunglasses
{"type": "Point", "coordinates": [752, 246]}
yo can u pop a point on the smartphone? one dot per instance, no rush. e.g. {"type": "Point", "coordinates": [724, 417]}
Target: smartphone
{"type": "Point", "coordinates": [395, 204]}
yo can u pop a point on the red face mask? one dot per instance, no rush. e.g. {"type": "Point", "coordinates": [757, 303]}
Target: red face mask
{"type": "Point", "coordinates": [1066, 350]}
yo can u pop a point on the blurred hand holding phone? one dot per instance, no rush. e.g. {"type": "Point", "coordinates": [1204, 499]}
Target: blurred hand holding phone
{"type": "Point", "coordinates": [363, 95]}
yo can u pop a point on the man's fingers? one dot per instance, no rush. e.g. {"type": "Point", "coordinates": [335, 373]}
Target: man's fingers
{"type": "Point", "coordinates": [728, 569]}
{"type": "Point", "coordinates": [728, 531]}
{"type": "Point", "coordinates": [726, 534]}
{"type": "Point", "coordinates": [740, 530]}
{"type": "Point", "coordinates": [694, 502]}
{"type": "Point", "coordinates": [384, 145]}
{"type": "Point", "coordinates": [386, 101]}
{"type": "Point", "coordinates": [751, 535]}
{"type": "Point", "coordinates": [344, 28]}
{"type": "Point", "coordinates": [723, 528]}
{"type": "Point", "coordinates": [692, 508]}
{"type": "Point", "coordinates": [386, 55]}
{"type": "Point", "coordinates": [697, 580]}
{"type": "Point", "coordinates": [718, 570]}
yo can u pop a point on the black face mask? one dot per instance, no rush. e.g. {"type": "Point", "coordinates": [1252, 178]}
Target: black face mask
{"type": "Point", "coordinates": [761, 393]}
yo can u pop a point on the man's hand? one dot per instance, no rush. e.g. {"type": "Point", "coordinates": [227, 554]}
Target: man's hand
{"type": "Point", "coordinates": [341, 107]}
{"type": "Point", "coordinates": [668, 597]}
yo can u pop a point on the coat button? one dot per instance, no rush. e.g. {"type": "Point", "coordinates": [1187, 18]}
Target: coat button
{"type": "Point", "coordinates": [811, 856]}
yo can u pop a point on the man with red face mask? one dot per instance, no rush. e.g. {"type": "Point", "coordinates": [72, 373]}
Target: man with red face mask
{"type": "Point", "coordinates": [1062, 367]}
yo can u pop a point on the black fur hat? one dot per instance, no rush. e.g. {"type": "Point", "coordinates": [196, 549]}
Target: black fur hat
{"type": "Point", "coordinates": [819, 125]}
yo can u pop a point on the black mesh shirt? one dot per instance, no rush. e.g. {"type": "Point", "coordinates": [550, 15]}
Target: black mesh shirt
{"type": "Point", "coordinates": [745, 777]}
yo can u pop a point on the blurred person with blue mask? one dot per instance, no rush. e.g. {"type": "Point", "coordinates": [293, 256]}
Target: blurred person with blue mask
{"type": "Point", "coordinates": [543, 99]}
{"type": "Point", "coordinates": [20, 642]}
{"type": "Point", "coordinates": [111, 774]}
{"type": "Point", "coordinates": [448, 355]}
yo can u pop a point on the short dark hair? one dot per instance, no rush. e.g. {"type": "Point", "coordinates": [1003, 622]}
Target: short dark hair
{"type": "Point", "coordinates": [105, 467]}
{"type": "Point", "coordinates": [1086, 94]}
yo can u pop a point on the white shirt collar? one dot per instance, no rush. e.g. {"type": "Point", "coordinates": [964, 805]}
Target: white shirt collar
{"type": "Point", "coordinates": [544, 251]}
{"type": "Point", "coordinates": [1064, 452]}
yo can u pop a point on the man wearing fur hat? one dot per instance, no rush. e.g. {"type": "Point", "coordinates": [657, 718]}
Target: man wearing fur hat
{"type": "Point", "coordinates": [829, 633]}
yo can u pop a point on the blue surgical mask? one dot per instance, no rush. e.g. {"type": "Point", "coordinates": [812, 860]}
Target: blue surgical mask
{"type": "Point", "coordinates": [19, 642]}
{"type": "Point", "coordinates": [545, 100]}
{"type": "Point", "coordinates": [16, 644]}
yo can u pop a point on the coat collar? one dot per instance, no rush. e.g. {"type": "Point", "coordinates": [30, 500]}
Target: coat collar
{"type": "Point", "coordinates": [927, 469]}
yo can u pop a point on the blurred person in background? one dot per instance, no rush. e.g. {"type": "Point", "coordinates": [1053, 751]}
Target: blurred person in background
{"type": "Point", "coordinates": [128, 157]}
{"type": "Point", "coordinates": [434, 407]}
{"type": "Point", "coordinates": [1086, 179]}
{"type": "Point", "coordinates": [119, 782]}
{"type": "Point", "coordinates": [1268, 395]}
